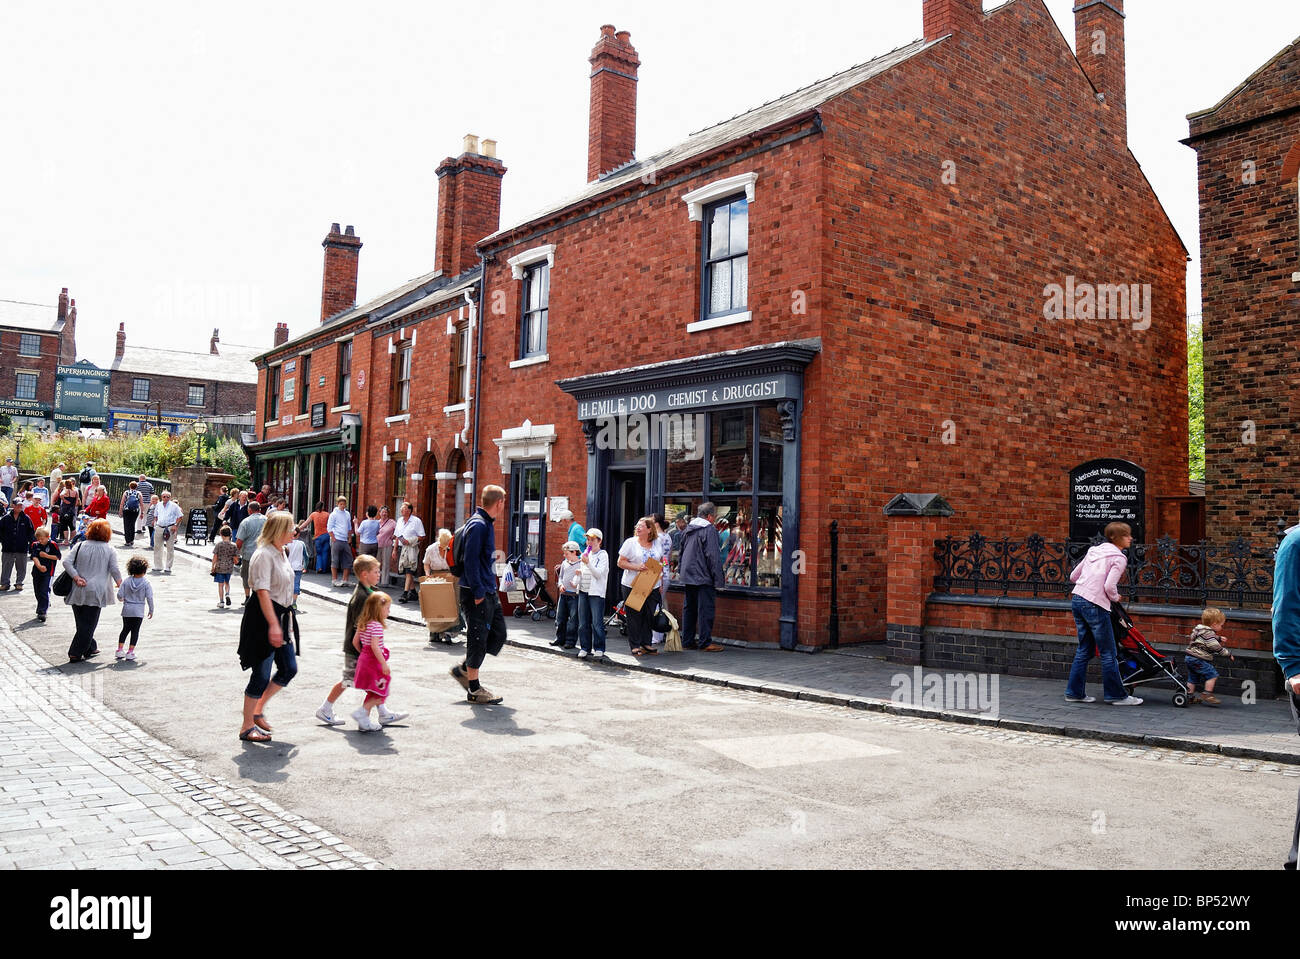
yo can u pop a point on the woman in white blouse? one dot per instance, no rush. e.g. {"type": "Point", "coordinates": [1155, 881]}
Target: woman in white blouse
{"type": "Point", "coordinates": [410, 530]}
{"type": "Point", "coordinates": [262, 639]}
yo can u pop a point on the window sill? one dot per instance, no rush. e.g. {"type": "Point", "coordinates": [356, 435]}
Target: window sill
{"type": "Point", "coordinates": [399, 418]}
{"type": "Point", "coordinates": [269, 423]}
{"type": "Point", "coordinates": [301, 416]}
{"type": "Point", "coordinates": [1295, 277]}
{"type": "Point", "coordinates": [531, 361]}
{"type": "Point", "coordinates": [457, 408]}
{"type": "Point", "coordinates": [729, 320]}
{"type": "Point", "coordinates": [341, 409]}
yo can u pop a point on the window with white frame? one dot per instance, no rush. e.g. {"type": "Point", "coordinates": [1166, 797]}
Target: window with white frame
{"type": "Point", "coordinates": [29, 345]}
{"type": "Point", "coordinates": [139, 390]}
{"type": "Point", "coordinates": [726, 258]}
{"type": "Point", "coordinates": [25, 388]}
{"type": "Point", "coordinates": [197, 395]}
{"type": "Point", "coordinates": [536, 300]}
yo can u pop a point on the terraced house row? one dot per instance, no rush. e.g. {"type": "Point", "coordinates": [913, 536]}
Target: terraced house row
{"type": "Point", "coordinates": [834, 298]}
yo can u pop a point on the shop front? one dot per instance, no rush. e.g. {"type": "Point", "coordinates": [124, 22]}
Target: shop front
{"type": "Point", "coordinates": [723, 428]}
{"type": "Point", "coordinates": [141, 421]}
{"type": "Point", "coordinates": [28, 413]}
{"type": "Point", "coordinates": [80, 396]}
{"type": "Point", "coordinates": [309, 468]}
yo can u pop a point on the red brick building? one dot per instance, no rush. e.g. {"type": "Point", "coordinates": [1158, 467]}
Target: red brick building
{"type": "Point", "coordinates": [1248, 156]}
{"type": "Point", "coordinates": [374, 402]}
{"type": "Point", "coordinates": [35, 339]}
{"type": "Point", "coordinates": [888, 281]}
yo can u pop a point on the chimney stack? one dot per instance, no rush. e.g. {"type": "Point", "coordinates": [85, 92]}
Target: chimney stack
{"type": "Point", "coordinates": [339, 286]}
{"type": "Point", "coordinates": [121, 339]}
{"type": "Point", "coordinates": [943, 17]}
{"type": "Point", "coordinates": [63, 305]}
{"type": "Point", "coordinates": [611, 132]}
{"type": "Point", "coordinates": [212, 344]}
{"type": "Point", "coordinates": [469, 204]}
{"type": "Point", "coordinates": [281, 334]}
{"type": "Point", "coordinates": [1099, 46]}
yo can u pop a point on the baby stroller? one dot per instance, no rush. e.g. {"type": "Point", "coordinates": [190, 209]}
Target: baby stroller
{"type": "Point", "coordinates": [1140, 663]}
{"type": "Point", "coordinates": [537, 600]}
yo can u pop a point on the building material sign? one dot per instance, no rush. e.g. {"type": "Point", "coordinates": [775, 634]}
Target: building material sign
{"type": "Point", "coordinates": [1107, 491]}
{"type": "Point", "coordinates": [750, 389]}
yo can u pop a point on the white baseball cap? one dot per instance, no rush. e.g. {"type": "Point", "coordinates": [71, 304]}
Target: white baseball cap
{"type": "Point", "coordinates": [596, 533]}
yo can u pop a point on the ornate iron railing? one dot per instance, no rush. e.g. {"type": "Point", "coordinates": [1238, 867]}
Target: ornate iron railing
{"type": "Point", "coordinates": [1237, 574]}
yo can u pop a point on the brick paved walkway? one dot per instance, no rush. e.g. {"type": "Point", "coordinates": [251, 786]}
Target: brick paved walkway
{"type": "Point", "coordinates": [83, 788]}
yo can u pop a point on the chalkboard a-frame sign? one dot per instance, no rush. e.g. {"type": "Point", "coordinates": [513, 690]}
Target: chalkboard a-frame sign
{"type": "Point", "coordinates": [197, 529]}
{"type": "Point", "coordinates": [1107, 491]}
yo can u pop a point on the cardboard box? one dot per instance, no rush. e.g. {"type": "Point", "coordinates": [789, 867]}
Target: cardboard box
{"type": "Point", "coordinates": [647, 581]}
{"type": "Point", "coordinates": [439, 601]}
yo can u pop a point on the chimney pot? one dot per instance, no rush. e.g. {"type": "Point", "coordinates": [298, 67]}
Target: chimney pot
{"type": "Point", "coordinates": [349, 231]}
{"type": "Point", "coordinates": [611, 128]}
{"type": "Point", "coordinates": [471, 144]}
{"type": "Point", "coordinates": [339, 282]}
{"type": "Point", "coordinates": [490, 148]}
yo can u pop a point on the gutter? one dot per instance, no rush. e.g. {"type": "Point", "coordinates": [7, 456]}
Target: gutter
{"type": "Point", "coordinates": [478, 378]}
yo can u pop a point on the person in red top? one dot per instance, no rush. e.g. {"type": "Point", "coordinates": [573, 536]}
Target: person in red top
{"type": "Point", "coordinates": [34, 510]}
{"type": "Point", "coordinates": [99, 504]}
{"type": "Point", "coordinates": [264, 496]}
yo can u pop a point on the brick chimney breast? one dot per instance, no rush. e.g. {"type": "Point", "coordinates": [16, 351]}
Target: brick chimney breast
{"type": "Point", "coordinates": [611, 130]}
{"type": "Point", "coordinates": [1099, 47]}
{"type": "Point", "coordinates": [281, 334]}
{"type": "Point", "coordinates": [339, 283]}
{"type": "Point", "coordinates": [469, 205]}
{"type": "Point", "coordinates": [63, 305]}
{"type": "Point", "coordinates": [121, 339]}
{"type": "Point", "coordinates": [216, 338]}
{"type": "Point", "coordinates": [943, 17]}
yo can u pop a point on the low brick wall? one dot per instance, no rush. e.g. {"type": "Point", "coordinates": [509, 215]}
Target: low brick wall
{"type": "Point", "coordinates": [1037, 638]}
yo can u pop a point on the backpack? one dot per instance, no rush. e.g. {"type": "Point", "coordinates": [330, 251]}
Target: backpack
{"type": "Point", "coordinates": [457, 565]}
{"type": "Point", "coordinates": [132, 500]}
{"type": "Point", "coordinates": [85, 476]}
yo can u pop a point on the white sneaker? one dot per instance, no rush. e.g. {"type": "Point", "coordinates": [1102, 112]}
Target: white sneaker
{"type": "Point", "coordinates": [386, 717]}
{"type": "Point", "coordinates": [583, 654]}
{"type": "Point", "coordinates": [364, 723]}
{"type": "Point", "coordinates": [130, 654]}
{"type": "Point", "coordinates": [120, 654]}
{"type": "Point", "coordinates": [326, 715]}
{"type": "Point", "coordinates": [1127, 701]}
{"type": "Point", "coordinates": [1080, 699]}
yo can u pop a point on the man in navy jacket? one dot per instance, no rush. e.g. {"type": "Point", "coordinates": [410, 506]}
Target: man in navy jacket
{"type": "Point", "coordinates": [1286, 639]}
{"type": "Point", "coordinates": [486, 625]}
{"type": "Point", "coordinates": [16, 534]}
{"type": "Point", "coordinates": [700, 571]}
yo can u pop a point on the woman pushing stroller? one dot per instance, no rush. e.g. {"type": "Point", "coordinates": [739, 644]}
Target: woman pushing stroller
{"type": "Point", "coordinates": [1096, 581]}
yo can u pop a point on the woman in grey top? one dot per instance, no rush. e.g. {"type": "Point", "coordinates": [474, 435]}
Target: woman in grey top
{"type": "Point", "coordinates": [92, 564]}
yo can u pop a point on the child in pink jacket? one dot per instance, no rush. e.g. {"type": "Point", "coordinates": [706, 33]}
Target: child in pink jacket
{"type": "Point", "coordinates": [1096, 581]}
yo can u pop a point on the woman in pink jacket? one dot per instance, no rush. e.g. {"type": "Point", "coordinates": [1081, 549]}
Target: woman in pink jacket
{"type": "Point", "coordinates": [1096, 582]}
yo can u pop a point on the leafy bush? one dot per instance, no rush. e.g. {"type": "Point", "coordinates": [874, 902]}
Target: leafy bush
{"type": "Point", "coordinates": [155, 453]}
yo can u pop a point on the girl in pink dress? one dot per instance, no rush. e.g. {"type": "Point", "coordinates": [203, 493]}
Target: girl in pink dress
{"type": "Point", "coordinates": [373, 675]}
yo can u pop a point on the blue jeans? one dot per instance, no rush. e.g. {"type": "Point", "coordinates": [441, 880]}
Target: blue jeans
{"type": "Point", "coordinates": [1095, 636]}
{"type": "Point", "coordinates": [286, 667]}
{"type": "Point", "coordinates": [591, 623]}
{"type": "Point", "coordinates": [322, 544]}
{"type": "Point", "coordinates": [566, 619]}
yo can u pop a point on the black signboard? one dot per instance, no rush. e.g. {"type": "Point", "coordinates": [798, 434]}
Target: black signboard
{"type": "Point", "coordinates": [1107, 491]}
{"type": "Point", "coordinates": [197, 530]}
{"type": "Point", "coordinates": [317, 415]}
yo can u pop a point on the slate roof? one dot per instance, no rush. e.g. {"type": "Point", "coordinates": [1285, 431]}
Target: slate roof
{"type": "Point", "coordinates": [29, 316]}
{"type": "Point", "coordinates": [720, 134]}
{"type": "Point", "coordinates": [234, 364]}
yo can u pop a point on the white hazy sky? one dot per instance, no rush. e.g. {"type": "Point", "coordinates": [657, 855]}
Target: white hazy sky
{"type": "Point", "coordinates": [177, 165]}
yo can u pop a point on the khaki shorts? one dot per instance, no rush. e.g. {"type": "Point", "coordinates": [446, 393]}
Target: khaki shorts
{"type": "Point", "coordinates": [349, 669]}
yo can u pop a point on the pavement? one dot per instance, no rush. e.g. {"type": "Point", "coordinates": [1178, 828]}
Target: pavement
{"type": "Point", "coordinates": [861, 678]}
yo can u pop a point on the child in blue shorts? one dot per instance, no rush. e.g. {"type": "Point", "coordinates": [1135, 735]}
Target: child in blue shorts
{"type": "Point", "coordinates": [224, 555]}
{"type": "Point", "coordinates": [1200, 655]}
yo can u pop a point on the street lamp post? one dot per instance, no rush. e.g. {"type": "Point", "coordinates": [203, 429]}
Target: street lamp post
{"type": "Point", "coordinates": [200, 429]}
{"type": "Point", "coordinates": [19, 435]}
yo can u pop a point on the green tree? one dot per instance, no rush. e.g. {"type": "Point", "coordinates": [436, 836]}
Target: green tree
{"type": "Point", "coordinates": [1195, 400]}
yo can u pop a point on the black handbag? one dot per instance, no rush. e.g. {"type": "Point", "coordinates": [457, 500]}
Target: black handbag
{"type": "Point", "coordinates": [64, 582]}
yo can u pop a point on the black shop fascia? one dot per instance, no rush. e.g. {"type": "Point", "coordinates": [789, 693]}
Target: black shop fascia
{"type": "Point", "coordinates": [722, 427]}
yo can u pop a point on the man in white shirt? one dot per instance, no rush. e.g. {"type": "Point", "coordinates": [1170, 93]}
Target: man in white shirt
{"type": "Point", "coordinates": [56, 477]}
{"type": "Point", "coordinates": [8, 478]}
{"type": "Point", "coordinates": [339, 526]}
{"type": "Point", "coordinates": [165, 525]}
{"type": "Point", "coordinates": [407, 536]}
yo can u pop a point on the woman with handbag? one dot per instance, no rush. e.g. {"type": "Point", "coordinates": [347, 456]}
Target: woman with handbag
{"type": "Point", "coordinates": [410, 530]}
{"type": "Point", "coordinates": [637, 550]}
{"type": "Point", "coordinates": [268, 620]}
{"type": "Point", "coordinates": [387, 551]}
{"type": "Point", "coordinates": [92, 568]}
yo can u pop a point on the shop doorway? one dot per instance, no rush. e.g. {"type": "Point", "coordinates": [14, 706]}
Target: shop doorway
{"type": "Point", "coordinates": [527, 493]}
{"type": "Point", "coordinates": [626, 505]}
